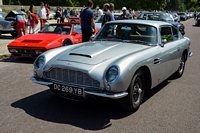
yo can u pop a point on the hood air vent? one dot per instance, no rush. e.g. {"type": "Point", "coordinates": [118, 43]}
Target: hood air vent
{"type": "Point", "coordinates": [80, 55]}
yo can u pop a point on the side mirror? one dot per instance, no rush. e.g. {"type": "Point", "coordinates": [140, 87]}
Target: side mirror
{"type": "Point", "coordinates": [74, 33]}
{"type": "Point", "coordinates": [164, 41]}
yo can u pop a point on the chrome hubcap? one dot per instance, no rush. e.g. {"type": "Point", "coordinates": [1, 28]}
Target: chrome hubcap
{"type": "Point", "coordinates": [181, 67]}
{"type": "Point", "coordinates": [137, 91]}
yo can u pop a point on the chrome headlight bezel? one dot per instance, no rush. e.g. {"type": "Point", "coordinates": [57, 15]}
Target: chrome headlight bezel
{"type": "Point", "coordinates": [112, 74]}
{"type": "Point", "coordinates": [39, 63]}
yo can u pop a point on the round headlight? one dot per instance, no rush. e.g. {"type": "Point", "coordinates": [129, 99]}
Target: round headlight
{"type": "Point", "coordinates": [112, 74]}
{"type": "Point", "coordinates": [40, 62]}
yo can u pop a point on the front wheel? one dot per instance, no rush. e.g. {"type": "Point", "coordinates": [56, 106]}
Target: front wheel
{"type": "Point", "coordinates": [136, 93]}
{"type": "Point", "coordinates": [181, 68]}
{"type": "Point", "coordinates": [66, 42]}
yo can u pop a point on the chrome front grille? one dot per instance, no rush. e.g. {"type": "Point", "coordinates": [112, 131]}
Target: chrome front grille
{"type": "Point", "coordinates": [68, 76]}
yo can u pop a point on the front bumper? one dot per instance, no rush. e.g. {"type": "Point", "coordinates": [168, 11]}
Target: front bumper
{"type": "Point", "coordinates": [86, 92]}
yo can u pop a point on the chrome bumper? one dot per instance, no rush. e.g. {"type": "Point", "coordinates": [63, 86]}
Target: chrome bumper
{"type": "Point", "coordinates": [111, 96]}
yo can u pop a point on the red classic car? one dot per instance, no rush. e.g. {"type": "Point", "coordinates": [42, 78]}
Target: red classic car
{"type": "Point", "coordinates": [52, 36]}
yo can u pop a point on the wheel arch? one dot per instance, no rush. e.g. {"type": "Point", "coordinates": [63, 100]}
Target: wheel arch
{"type": "Point", "coordinates": [67, 39]}
{"type": "Point", "coordinates": [147, 76]}
{"type": "Point", "coordinates": [185, 53]}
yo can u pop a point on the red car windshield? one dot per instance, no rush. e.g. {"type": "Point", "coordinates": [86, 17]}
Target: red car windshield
{"type": "Point", "coordinates": [56, 29]}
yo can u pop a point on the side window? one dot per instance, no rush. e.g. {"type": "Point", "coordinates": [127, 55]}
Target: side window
{"type": "Point", "coordinates": [175, 33]}
{"type": "Point", "coordinates": [166, 33]}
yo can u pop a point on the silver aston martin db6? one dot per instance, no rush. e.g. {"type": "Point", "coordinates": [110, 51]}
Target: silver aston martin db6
{"type": "Point", "coordinates": [123, 60]}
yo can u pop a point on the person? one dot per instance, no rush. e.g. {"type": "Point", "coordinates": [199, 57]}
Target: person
{"type": "Point", "coordinates": [28, 24]}
{"type": "Point", "coordinates": [107, 14]}
{"type": "Point", "coordinates": [99, 11]}
{"type": "Point", "coordinates": [125, 15]}
{"type": "Point", "coordinates": [195, 14]}
{"type": "Point", "coordinates": [60, 15]}
{"type": "Point", "coordinates": [42, 15]}
{"type": "Point", "coordinates": [33, 21]}
{"type": "Point", "coordinates": [119, 32]}
{"type": "Point", "coordinates": [87, 22]}
{"type": "Point", "coordinates": [112, 7]}
{"type": "Point", "coordinates": [47, 10]}
{"type": "Point", "coordinates": [31, 8]}
{"type": "Point", "coordinates": [131, 12]}
{"type": "Point", "coordinates": [20, 25]}
{"type": "Point", "coordinates": [72, 12]}
{"type": "Point", "coordinates": [22, 9]}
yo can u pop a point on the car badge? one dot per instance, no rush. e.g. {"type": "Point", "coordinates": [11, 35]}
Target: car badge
{"type": "Point", "coordinates": [68, 63]}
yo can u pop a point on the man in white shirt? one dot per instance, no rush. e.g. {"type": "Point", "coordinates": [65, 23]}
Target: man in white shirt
{"type": "Point", "coordinates": [41, 12]}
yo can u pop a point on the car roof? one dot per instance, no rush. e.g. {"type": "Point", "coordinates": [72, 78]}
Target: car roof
{"type": "Point", "coordinates": [145, 22]}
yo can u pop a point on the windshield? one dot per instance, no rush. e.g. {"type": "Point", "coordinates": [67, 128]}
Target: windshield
{"type": "Point", "coordinates": [57, 29]}
{"type": "Point", "coordinates": [128, 33]}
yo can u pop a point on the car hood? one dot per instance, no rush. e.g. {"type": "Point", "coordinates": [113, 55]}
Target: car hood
{"type": "Point", "coordinates": [37, 40]}
{"type": "Point", "coordinates": [96, 52]}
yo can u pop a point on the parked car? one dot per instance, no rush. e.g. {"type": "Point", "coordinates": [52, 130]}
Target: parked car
{"type": "Point", "coordinates": [197, 20]}
{"type": "Point", "coordinates": [98, 21]}
{"type": "Point", "coordinates": [183, 16]}
{"type": "Point", "coordinates": [8, 24]}
{"type": "Point", "coordinates": [175, 17]}
{"type": "Point", "coordinates": [162, 16]}
{"type": "Point", "coordinates": [52, 36]}
{"type": "Point", "coordinates": [3, 15]}
{"type": "Point", "coordinates": [123, 60]}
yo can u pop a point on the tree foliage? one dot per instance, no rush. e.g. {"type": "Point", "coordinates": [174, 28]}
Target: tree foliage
{"type": "Point", "coordinates": [134, 4]}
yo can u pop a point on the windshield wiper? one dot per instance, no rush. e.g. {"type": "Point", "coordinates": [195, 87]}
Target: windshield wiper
{"type": "Point", "coordinates": [138, 41]}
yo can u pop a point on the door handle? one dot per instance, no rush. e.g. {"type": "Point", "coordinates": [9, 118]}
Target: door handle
{"type": "Point", "coordinates": [178, 49]}
{"type": "Point", "coordinates": [157, 61]}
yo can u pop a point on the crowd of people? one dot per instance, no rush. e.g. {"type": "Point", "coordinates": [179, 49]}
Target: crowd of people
{"type": "Point", "coordinates": [87, 17]}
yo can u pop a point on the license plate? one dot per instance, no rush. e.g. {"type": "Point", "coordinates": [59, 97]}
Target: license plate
{"type": "Point", "coordinates": [68, 89]}
{"type": "Point", "coordinates": [26, 55]}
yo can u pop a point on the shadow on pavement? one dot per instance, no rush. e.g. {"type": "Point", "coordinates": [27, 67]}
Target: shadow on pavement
{"type": "Point", "coordinates": [18, 60]}
{"type": "Point", "coordinates": [89, 115]}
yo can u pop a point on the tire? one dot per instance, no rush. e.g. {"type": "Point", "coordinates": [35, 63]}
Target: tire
{"type": "Point", "coordinates": [136, 93]}
{"type": "Point", "coordinates": [14, 34]}
{"type": "Point", "coordinates": [66, 42]}
{"type": "Point", "coordinates": [181, 68]}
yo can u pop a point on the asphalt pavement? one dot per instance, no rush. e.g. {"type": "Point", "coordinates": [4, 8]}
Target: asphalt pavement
{"type": "Point", "coordinates": [172, 107]}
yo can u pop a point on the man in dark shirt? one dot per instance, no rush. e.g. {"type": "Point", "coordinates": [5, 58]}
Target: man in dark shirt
{"type": "Point", "coordinates": [107, 14]}
{"type": "Point", "coordinates": [125, 15]}
{"type": "Point", "coordinates": [87, 22]}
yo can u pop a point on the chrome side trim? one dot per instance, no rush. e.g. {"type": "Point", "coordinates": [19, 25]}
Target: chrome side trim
{"type": "Point", "coordinates": [112, 96]}
{"type": "Point", "coordinates": [190, 54]}
{"type": "Point", "coordinates": [34, 80]}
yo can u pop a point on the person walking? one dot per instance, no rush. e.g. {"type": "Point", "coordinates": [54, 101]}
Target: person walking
{"type": "Point", "coordinates": [125, 15]}
{"type": "Point", "coordinates": [20, 25]}
{"type": "Point", "coordinates": [107, 14]}
{"type": "Point", "coordinates": [42, 15]}
{"type": "Point", "coordinates": [87, 22]}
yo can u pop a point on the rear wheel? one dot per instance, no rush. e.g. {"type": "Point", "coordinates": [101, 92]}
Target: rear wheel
{"type": "Point", "coordinates": [66, 42]}
{"type": "Point", "coordinates": [136, 93]}
{"type": "Point", "coordinates": [181, 68]}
